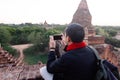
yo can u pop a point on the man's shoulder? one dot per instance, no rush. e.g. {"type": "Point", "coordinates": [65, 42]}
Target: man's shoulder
{"type": "Point", "coordinates": [67, 54]}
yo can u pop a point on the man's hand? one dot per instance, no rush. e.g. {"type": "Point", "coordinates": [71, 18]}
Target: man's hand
{"type": "Point", "coordinates": [52, 44]}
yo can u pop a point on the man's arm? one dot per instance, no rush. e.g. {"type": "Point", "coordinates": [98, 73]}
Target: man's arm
{"type": "Point", "coordinates": [55, 65]}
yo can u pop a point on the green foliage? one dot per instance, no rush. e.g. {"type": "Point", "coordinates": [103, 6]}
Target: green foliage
{"type": "Point", "coordinates": [10, 49]}
{"type": "Point", "coordinates": [33, 57]}
{"type": "Point", "coordinates": [29, 33]}
{"type": "Point", "coordinates": [109, 33]}
{"type": "Point", "coordinates": [113, 41]}
{"type": "Point", "coordinates": [100, 31]}
{"type": "Point", "coordinates": [112, 33]}
{"type": "Point", "coordinates": [31, 37]}
{"type": "Point", "coordinates": [40, 39]}
{"type": "Point", "coordinates": [21, 32]}
{"type": "Point", "coordinates": [5, 36]}
{"type": "Point", "coordinates": [60, 27]}
{"type": "Point", "coordinates": [19, 36]}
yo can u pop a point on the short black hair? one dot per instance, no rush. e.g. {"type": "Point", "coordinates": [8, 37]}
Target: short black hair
{"type": "Point", "coordinates": [76, 32]}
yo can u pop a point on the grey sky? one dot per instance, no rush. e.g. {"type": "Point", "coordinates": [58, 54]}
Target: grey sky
{"type": "Point", "coordinates": [104, 12]}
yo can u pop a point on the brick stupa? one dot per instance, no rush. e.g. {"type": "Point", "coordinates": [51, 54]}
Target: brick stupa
{"type": "Point", "coordinates": [83, 17]}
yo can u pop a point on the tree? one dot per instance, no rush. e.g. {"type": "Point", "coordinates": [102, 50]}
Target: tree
{"type": "Point", "coordinates": [112, 33]}
{"type": "Point", "coordinates": [20, 36]}
{"type": "Point", "coordinates": [112, 41]}
{"type": "Point", "coordinates": [5, 36]}
{"type": "Point", "coordinates": [40, 39]}
{"type": "Point", "coordinates": [31, 37]}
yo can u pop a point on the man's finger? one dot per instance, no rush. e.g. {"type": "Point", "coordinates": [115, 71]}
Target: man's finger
{"type": "Point", "coordinates": [51, 38]}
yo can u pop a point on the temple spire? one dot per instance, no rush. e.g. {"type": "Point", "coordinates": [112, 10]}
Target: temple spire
{"type": "Point", "coordinates": [83, 4]}
{"type": "Point", "coordinates": [82, 15]}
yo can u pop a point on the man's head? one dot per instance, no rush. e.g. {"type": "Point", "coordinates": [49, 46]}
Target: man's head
{"type": "Point", "coordinates": [75, 32]}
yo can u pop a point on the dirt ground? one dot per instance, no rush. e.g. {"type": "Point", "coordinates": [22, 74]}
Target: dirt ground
{"type": "Point", "coordinates": [20, 48]}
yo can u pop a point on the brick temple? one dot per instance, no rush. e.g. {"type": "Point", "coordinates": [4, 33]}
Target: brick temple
{"type": "Point", "coordinates": [83, 17]}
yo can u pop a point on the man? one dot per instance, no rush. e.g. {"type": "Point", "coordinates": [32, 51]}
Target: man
{"type": "Point", "coordinates": [78, 63]}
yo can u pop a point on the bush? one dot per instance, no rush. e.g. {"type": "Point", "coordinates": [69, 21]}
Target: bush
{"type": "Point", "coordinates": [10, 50]}
{"type": "Point", "coordinates": [32, 56]}
{"type": "Point", "coordinates": [5, 36]}
{"type": "Point", "coordinates": [112, 41]}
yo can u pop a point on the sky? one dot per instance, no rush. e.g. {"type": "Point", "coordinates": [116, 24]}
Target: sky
{"type": "Point", "coordinates": [104, 12]}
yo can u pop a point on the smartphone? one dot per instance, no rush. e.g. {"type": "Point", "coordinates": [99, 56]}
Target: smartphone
{"type": "Point", "coordinates": [57, 37]}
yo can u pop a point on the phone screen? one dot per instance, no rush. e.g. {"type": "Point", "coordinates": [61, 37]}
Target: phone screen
{"type": "Point", "coordinates": [57, 37]}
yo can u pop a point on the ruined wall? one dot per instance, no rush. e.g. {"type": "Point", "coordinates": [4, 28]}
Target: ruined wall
{"type": "Point", "coordinates": [7, 59]}
{"type": "Point", "coordinates": [26, 72]}
{"type": "Point", "coordinates": [95, 40]}
{"type": "Point", "coordinates": [12, 68]}
{"type": "Point", "coordinates": [107, 52]}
